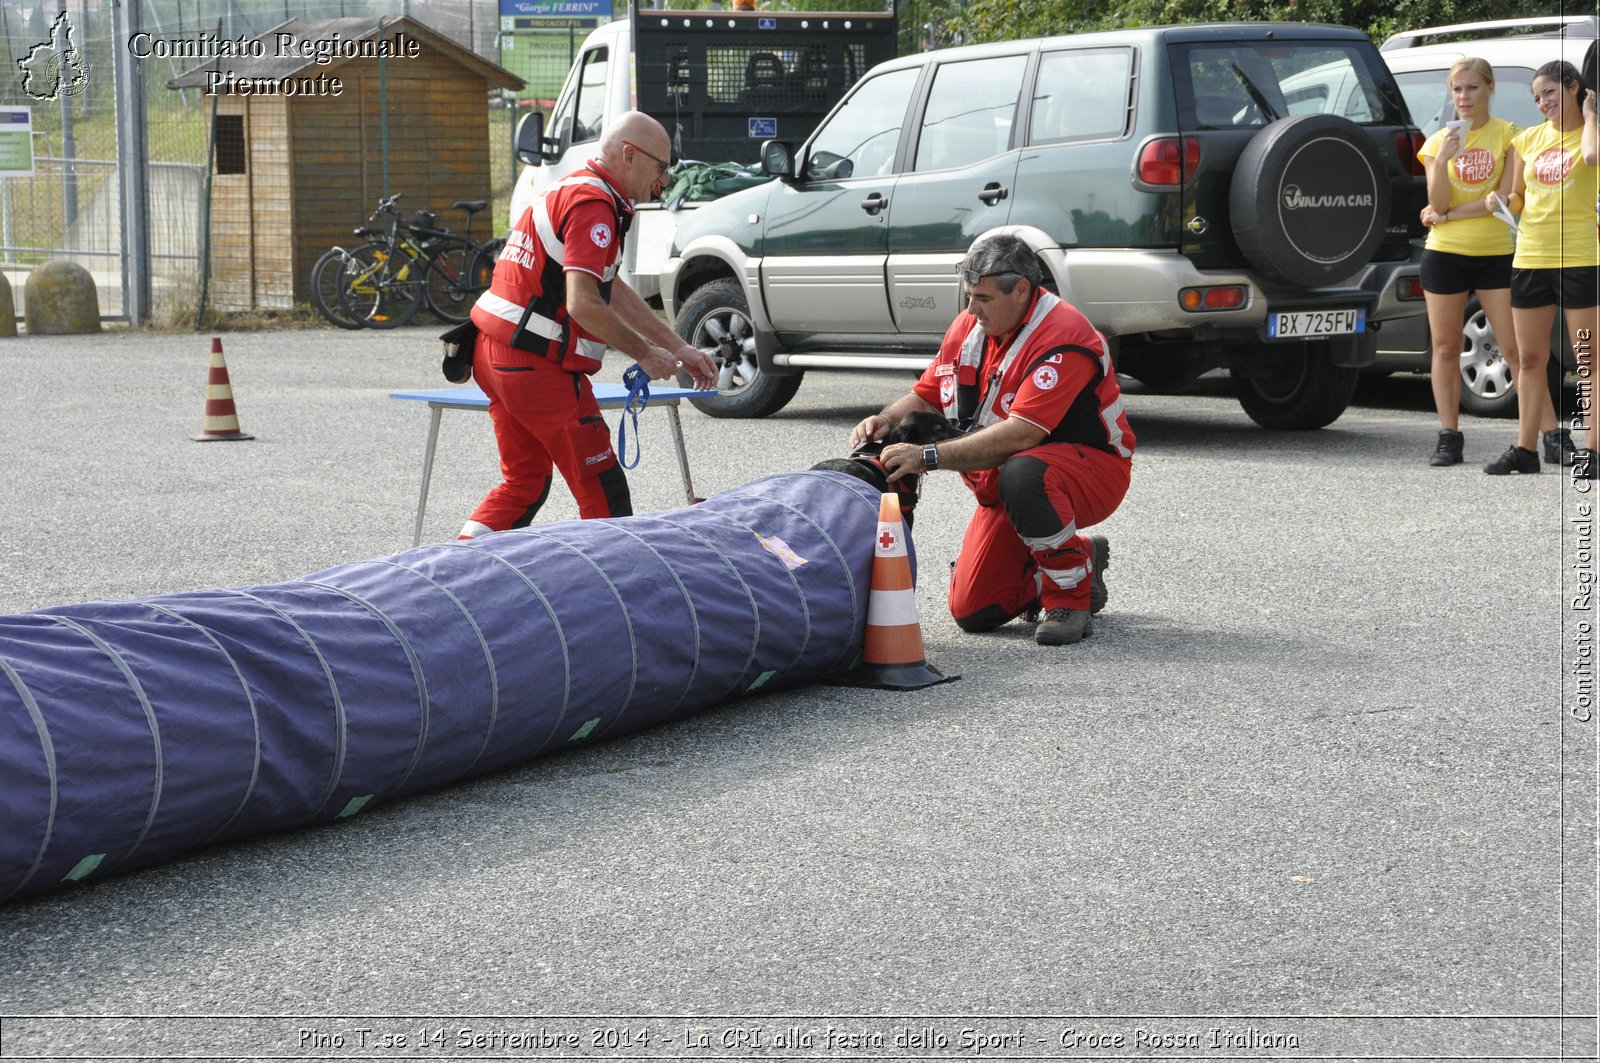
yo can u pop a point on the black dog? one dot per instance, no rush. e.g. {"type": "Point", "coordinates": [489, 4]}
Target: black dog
{"type": "Point", "coordinates": [920, 428]}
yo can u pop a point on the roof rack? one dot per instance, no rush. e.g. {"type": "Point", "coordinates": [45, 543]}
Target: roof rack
{"type": "Point", "coordinates": [1545, 26]}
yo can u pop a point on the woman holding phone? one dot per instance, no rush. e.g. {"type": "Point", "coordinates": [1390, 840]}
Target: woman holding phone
{"type": "Point", "coordinates": [1468, 250]}
{"type": "Point", "coordinates": [1556, 175]}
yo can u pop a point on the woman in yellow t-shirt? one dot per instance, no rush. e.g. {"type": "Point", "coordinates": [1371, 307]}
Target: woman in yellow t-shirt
{"type": "Point", "coordinates": [1556, 170]}
{"type": "Point", "coordinates": [1468, 249]}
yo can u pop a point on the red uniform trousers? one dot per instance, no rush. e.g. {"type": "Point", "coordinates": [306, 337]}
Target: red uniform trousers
{"type": "Point", "coordinates": [544, 417]}
{"type": "Point", "coordinates": [1046, 495]}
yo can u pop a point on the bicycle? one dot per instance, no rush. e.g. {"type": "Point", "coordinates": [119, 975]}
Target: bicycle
{"type": "Point", "coordinates": [384, 282]}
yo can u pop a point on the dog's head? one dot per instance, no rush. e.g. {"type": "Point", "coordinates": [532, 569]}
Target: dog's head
{"type": "Point", "coordinates": [920, 428]}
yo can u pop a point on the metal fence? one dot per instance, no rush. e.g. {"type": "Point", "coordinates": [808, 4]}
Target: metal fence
{"type": "Point", "coordinates": [66, 74]}
{"type": "Point", "coordinates": [68, 67]}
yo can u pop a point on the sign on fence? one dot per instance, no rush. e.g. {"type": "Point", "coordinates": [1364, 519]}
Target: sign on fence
{"type": "Point", "coordinates": [16, 141]}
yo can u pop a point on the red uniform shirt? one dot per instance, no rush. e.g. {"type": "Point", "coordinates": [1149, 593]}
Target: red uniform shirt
{"type": "Point", "coordinates": [577, 224]}
{"type": "Point", "coordinates": [1053, 372]}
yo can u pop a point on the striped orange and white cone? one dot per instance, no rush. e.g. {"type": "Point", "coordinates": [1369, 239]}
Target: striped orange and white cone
{"type": "Point", "coordinates": [893, 656]}
{"type": "Point", "coordinates": [221, 419]}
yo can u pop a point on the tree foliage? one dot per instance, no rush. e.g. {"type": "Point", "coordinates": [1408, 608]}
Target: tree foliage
{"type": "Point", "coordinates": [994, 20]}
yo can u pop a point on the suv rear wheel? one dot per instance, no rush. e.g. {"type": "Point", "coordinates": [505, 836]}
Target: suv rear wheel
{"type": "Point", "coordinates": [716, 319]}
{"type": "Point", "coordinates": [1302, 389]}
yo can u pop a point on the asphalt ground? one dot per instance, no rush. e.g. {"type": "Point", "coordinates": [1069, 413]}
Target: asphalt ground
{"type": "Point", "coordinates": [1322, 784]}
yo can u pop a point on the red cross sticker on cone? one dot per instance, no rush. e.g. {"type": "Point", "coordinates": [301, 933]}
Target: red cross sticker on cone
{"type": "Point", "coordinates": [892, 655]}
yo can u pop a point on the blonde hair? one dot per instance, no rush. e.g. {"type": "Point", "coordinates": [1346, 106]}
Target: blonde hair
{"type": "Point", "coordinates": [1471, 62]}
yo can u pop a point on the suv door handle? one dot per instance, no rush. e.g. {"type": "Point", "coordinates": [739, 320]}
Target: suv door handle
{"type": "Point", "coordinates": [993, 193]}
{"type": "Point", "coordinates": [874, 203]}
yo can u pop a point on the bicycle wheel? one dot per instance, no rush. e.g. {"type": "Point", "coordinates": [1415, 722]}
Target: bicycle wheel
{"type": "Point", "coordinates": [449, 289]}
{"type": "Point", "coordinates": [481, 269]}
{"type": "Point", "coordinates": [384, 293]}
{"type": "Point", "coordinates": [328, 277]}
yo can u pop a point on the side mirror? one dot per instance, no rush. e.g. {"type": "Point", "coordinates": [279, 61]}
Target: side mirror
{"type": "Point", "coordinates": [529, 143]}
{"type": "Point", "coordinates": [777, 158]}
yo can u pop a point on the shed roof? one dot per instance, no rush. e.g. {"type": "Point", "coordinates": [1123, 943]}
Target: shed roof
{"type": "Point", "coordinates": [299, 60]}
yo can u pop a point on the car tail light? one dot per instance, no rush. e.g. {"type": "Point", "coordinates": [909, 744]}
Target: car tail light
{"type": "Point", "coordinates": [1169, 160]}
{"type": "Point", "coordinates": [1223, 297]}
{"type": "Point", "coordinates": [1409, 288]}
{"type": "Point", "coordinates": [1407, 143]}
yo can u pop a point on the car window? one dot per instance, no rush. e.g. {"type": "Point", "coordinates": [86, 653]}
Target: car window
{"type": "Point", "coordinates": [861, 137]}
{"type": "Point", "coordinates": [579, 117]}
{"type": "Point", "coordinates": [971, 108]}
{"type": "Point", "coordinates": [1081, 93]}
{"type": "Point", "coordinates": [1513, 97]}
{"type": "Point", "coordinates": [1252, 83]}
{"type": "Point", "coordinates": [1428, 97]}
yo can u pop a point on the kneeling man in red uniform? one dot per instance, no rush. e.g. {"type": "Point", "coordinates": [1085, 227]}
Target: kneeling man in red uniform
{"type": "Point", "coordinates": [1045, 446]}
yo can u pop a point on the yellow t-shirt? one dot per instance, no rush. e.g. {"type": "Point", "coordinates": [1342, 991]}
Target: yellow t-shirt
{"type": "Point", "coordinates": [1474, 173]}
{"type": "Point", "coordinates": [1558, 212]}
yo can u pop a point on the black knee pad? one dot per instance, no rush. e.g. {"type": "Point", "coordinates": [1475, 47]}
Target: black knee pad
{"type": "Point", "coordinates": [1022, 494]}
{"type": "Point", "coordinates": [986, 619]}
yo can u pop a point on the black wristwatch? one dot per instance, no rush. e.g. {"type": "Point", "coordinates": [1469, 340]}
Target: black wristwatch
{"type": "Point", "coordinates": [930, 457]}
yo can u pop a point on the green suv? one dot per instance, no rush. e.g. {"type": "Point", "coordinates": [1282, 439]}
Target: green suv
{"type": "Point", "coordinates": [1198, 213]}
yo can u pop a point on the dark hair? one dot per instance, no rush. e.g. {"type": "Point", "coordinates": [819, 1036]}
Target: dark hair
{"type": "Point", "coordinates": [1564, 72]}
{"type": "Point", "coordinates": [1004, 257]}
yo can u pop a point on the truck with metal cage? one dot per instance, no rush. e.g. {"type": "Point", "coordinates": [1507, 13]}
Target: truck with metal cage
{"type": "Point", "coordinates": [721, 81]}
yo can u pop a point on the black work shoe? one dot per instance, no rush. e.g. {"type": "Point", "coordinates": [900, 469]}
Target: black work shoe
{"type": "Point", "coordinates": [1558, 448]}
{"type": "Point", "coordinates": [1448, 452]}
{"type": "Point", "coordinates": [1585, 464]}
{"type": "Point", "coordinates": [1515, 459]}
{"type": "Point", "coordinates": [1063, 627]}
{"type": "Point", "coordinates": [1098, 594]}
{"type": "Point", "coordinates": [1031, 611]}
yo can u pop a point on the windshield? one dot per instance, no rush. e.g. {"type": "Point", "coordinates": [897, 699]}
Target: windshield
{"type": "Point", "coordinates": [1250, 83]}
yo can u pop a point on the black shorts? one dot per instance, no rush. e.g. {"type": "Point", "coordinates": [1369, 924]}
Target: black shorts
{"type": "Point", "coordinates": [1569, 287]}
{"type": "Point", "coordinates": [1447, 273]}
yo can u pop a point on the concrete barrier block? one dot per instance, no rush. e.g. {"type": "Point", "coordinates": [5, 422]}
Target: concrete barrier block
{"type": "Point", "coordinates": [60, 300]}
{"type": "Point", "coordinates": [8, 308]}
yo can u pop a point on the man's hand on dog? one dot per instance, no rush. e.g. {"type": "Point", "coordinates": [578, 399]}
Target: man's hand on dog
{"type": "Point", "coordinates": [869, 430]}
{"type": "Point", "coordinates": [662, 364]}
{"type": "Point", "coordinates": [902, 459]}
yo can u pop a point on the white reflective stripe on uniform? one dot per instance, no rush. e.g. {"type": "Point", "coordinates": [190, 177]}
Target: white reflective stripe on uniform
{"type": "Point", "coordinates": [595, 349]}
{"type": "Point", "coordinates": [1110, 415]}
{"type": "Point", "coordinates": [506, 310]}
{"type": "Point", "coordinates": [892, 608]}
{"type": "Point", "coordinates": [546, 231]}
{"type": "Point", "coordinates": [986, 413]}
{"type": "Point", "coordinates": [1053, 541]}
{"type": "Point", "coordinates": [1068, 578]}
{"type": "Point", "coordinates": [472, 529]}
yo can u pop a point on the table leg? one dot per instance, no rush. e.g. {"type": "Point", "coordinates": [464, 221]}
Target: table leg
{"type": "Point", "coordinates": [683, 456]}
{"type": "Point", "coordinates": [427, 472]}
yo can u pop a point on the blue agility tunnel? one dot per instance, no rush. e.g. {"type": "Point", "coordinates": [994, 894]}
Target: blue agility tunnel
{"type": "Point", "coordinates": [136, 730]}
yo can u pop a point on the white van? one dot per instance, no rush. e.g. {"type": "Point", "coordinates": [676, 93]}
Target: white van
{"type": "Point", "coordinates": [722, 82]}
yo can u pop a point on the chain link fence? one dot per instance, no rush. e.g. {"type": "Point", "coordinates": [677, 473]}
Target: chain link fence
{"type": "Point", "coordinates": [64, 73]}
{"type": "Point", "coordinates": [64, 58]}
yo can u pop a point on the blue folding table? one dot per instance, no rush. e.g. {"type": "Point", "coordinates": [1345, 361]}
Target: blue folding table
{"type": "Point", "coordinates": [610, 396]}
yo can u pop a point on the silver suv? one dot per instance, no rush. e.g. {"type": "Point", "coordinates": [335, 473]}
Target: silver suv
{"type": "Point", "coordinates": [1421, 60]}
{"type": "Point", "coordinates": [1180, 190]}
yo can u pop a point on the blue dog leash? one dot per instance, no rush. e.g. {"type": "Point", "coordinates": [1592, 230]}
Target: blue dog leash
{"type": "Point", "coordinates": [638, 385]}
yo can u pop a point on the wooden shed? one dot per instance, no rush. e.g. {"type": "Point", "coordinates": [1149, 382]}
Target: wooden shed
{"type": "Point", "coordinates": [316, 120]}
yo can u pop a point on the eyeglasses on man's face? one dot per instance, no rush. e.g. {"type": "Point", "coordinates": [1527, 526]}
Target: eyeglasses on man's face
{"type": "Point", "coordinates": [661, 164]}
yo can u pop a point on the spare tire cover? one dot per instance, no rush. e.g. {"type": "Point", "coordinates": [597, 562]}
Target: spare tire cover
{"type": "Point", "coordinates": [1309, 200]}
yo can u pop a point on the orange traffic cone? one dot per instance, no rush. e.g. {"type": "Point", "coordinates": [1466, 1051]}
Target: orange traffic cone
{"type": "Point", "coordinates": [893, 656]}
{"type": "Point", "coordinates": [222, 420]}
